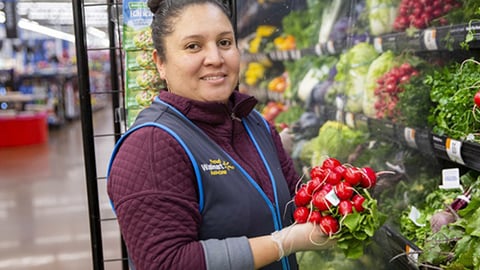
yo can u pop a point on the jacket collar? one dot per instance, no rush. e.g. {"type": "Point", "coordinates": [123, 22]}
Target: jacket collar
{"type": "Point", "coordinates": [239, 106]}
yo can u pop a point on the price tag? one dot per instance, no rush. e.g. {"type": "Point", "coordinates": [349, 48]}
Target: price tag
{"type": "Point", "coordinates": [332, 198]}
{"type": "Point", "coordinates": [414, 215]}
{"type": "Point", "coordinates": [409, 134]}
{"type": "Point", "coordinates": [454, 152]}
{"type": "Point", "coordinates": [413, 256]}
{"type": "Point", "coordinates": [451, 179]}
{"type": "Point", "coordinates": [318, 49]}
{"type": "Point", "coordinates": [429, 39]}
{"type": "Point", "coordinates": [339, 102]}
{"type": "Point", "coordinates": [377, 44]}
{"type": "Point", "coordinates": [330, 47]}
{"type": "Point", "coordinates": [295, 54]}
{"type": "Point", "coordinates": [350, 119]}
{"type": "Point", "coordinates": [273, 56]}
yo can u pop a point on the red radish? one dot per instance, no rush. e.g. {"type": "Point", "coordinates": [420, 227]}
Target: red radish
{"type": "Point", "coordinates": [320, 202]}
{"type": "Point", "coordinates": [476, 99]}
{"type": "Point", "coordinates": [440, 219]}
{"type": "Point", "coordinates": [314, 185]}
{"type": "Point", "coordinates": [340, 169]}
{"type": "Point", "coordinates": [330, 163]}
{"type": "Point", "coordinates": [329, 225]}
{"type": "Point", "coordinates": [357, 201]}
{"type": "Point", "coordinates": [345, 207]}
{"type": "Point", "coordinates": [343, 190]}
{"type": "Point", "coordinates": [352, 176]}
{"type": "Point", "coordinates": [369, 178]}
{"type": "Point", "coordinates": [302, 197]}
{"type": "Point", "coordinates": [317, 172]}
{"type": "Point", "coordinates": [300, 215]}
{"type": "Point", "coordinates": [327, 187]}
{"type": "Point", "coordinates": [333, 177]}
{"type": "Point", "coordinates": [315, 217]}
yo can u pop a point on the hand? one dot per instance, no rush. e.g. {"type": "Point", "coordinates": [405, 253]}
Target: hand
{"type": "Point", "coordinates": [301, 237]}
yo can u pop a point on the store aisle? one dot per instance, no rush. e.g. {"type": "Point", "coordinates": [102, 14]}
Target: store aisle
{"type": "Point", "coordinates": [43, 202]}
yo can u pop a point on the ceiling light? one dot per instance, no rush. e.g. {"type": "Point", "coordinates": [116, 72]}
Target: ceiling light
{"type": "Point", "coordinates": [35, 27]}
{"type": "Point", "coordinates": [96, 32]}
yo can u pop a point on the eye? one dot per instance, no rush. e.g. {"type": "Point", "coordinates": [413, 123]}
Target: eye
{"type": "Point", "coordinates": [192, 46]}
{"type": "Point", "coordinates": [225, 43]}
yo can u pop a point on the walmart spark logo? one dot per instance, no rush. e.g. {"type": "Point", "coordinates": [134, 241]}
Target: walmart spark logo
{"type": "Point", "coordinates": [218, 167]}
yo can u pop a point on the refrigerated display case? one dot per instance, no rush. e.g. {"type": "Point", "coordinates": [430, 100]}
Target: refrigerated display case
{"type": "Point", "coordinates": [388, 84]}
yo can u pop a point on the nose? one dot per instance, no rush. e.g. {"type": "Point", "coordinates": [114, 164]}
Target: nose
{"type": "Point", "coordinates": [213, 55]}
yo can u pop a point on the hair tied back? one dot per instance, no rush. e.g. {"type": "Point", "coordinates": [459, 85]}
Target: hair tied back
{"type": "Point", "coordinates": [154, 5]}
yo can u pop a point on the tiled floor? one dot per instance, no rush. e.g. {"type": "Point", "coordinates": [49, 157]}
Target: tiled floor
{"type": "Point", "coordinates": [44, 220]}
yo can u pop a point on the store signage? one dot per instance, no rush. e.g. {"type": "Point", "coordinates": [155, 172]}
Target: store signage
{"type": "Point", "coordinates": [10, 10]}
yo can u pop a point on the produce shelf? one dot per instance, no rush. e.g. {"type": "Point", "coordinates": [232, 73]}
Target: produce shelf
{"type": "Point", "coordinates": [464, 153]}
{"type": "Point", "coordinates": [400, 253]}
{"type": "Point", "coordinates": [381, 128]}
{"type": "Point", "coordinates": [443, 38]}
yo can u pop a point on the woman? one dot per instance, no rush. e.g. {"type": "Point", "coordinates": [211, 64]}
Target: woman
{"type": "Point", "coordinates": [201, 181]}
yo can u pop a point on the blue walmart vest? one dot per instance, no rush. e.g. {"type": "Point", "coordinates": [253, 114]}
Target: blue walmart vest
{"type": "Point", "coordinates": [231, 203]}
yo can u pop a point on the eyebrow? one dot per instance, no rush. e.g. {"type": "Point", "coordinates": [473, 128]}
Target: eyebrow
{"type": "Point", "coordinates": [225, 33]}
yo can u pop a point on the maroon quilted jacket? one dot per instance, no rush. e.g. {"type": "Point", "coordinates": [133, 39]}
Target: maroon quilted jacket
{"type": "Point", "coordinates": [153, 187]}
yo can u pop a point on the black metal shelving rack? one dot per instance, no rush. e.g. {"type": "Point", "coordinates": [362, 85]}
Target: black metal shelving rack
{"type": "Point", "coordinates": [89, 135]}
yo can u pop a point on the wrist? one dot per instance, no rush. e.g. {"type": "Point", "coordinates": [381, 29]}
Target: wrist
{"type": "Point", "coordinates": [275, 236]}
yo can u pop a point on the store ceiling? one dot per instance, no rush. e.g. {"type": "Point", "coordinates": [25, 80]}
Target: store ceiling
{"type": "Point", "coordinates": [58, 14]}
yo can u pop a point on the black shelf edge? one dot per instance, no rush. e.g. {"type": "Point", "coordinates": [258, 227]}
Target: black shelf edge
{"type": "Point", "coordinates": [443, 38]}
{"type": "Point", "coordinates": [465, 153]}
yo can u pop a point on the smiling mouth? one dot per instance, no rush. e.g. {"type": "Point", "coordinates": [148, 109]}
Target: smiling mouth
{"type": "Point", "coordinates": [213, 78]}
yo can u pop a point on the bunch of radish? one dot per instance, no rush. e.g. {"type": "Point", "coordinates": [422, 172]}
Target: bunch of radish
{"type": "Point", "coordinates": [332, 193]}
{"type": "Point", "coordinates": [420, 13]}
{"type": "Point", "coordinates": [389, 86]}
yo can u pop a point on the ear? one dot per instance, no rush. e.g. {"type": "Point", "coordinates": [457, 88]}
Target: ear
{"type": "Point", "coordinates": [159, 64]}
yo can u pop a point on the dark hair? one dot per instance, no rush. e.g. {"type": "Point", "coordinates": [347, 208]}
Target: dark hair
{"type": "Point", "coordinates": [164, 11]}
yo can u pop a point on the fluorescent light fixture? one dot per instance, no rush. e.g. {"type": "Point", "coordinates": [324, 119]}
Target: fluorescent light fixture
{"type": "Point", "coordinates": [96, 32]}
{"type": "Point", "coordinates": [35, 27]}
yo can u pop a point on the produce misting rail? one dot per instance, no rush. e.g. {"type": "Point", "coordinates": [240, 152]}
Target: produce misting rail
{"type": "Point", "coordinates": [86, 116]}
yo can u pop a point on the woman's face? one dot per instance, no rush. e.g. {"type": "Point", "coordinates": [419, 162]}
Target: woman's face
{"type": "Point", "coordinates": [201, 57]}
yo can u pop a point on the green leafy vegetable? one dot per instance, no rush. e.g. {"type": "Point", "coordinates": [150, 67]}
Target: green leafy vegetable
{"type": "Point", "coordinates": [381, 15]}
{"type": "Point", "coordinates": [452, 90]}
{"type": "Point", "coordinates": [334, 139]}
{"type": "Point", "coordinates": [352, 69]}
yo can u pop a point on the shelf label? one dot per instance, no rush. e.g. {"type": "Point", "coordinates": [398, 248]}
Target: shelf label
{"type": "Point", "coordinates": [430, 39]}
{"type": "Point", "coordinates": [412, 255]}
{"type": "Point", "coordinates": [409, 134]}
{"type": "Point", "coordinates": [295, 54]}
{"type": "Point", "coordinates": [350, 119]}
{"type": "Point", "coordinates": [451, 179]}
{"type": "Point", "coordinates": [377, 44]}
{"type": "Point", "coordinates": [330, 47]}
{"type": "Point", "coordinates": [454, 152]}
{"type": "Point", "coordinates": [272, 55]}
{"type": "Point", "coordinates": [318, 49]}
